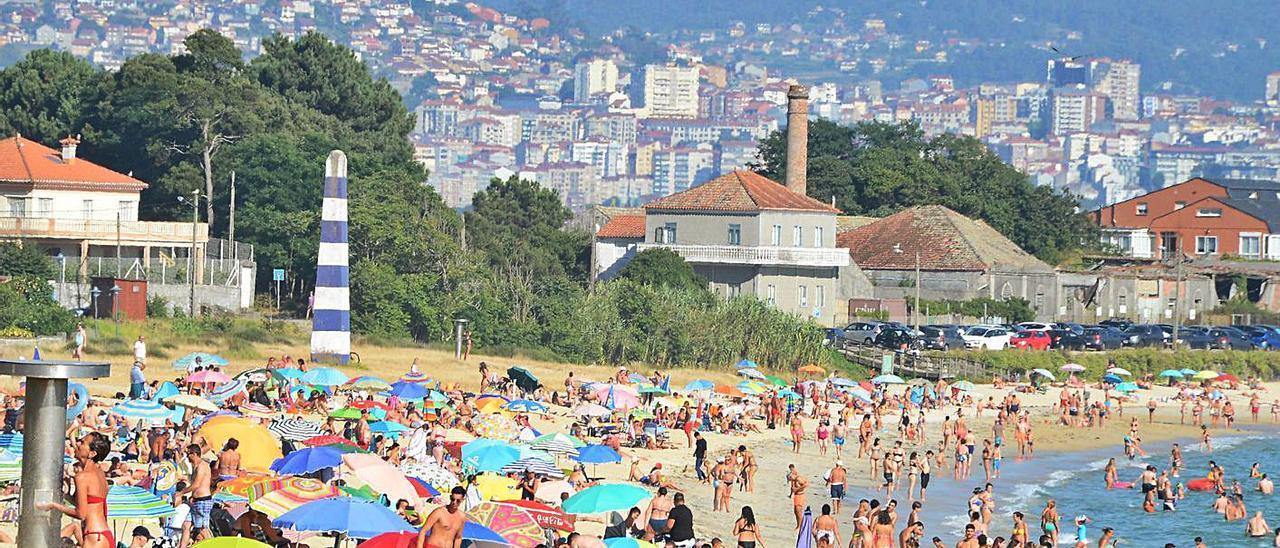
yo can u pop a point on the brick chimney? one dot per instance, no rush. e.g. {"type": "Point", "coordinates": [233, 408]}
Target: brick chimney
{"type": "Point", "coordinates": [797, 138]}
{"type": "Point", "coordinates": [69, 148]}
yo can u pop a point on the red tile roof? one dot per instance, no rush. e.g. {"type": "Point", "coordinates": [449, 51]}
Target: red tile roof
{"type": "Point", "coordinates": [945, 240]}
{"type": "Point", "coordinates": [25, 161]}
{"type": "Point", "coordinates": [739, 191]}
{"type": "Point", "coordinates": [623, 226]}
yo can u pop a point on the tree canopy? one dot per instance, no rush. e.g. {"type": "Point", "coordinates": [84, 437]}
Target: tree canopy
{"type": "Point", "coordinates": [877, 169]}
{"type": "Point", "coordinates": [663, 268]}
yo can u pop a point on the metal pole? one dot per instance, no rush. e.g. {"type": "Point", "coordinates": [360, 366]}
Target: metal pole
{"type": "Point", "coordinates": [118, 272]}
{"type": "Point", "coordinates": [458, 324]}
{"type": "Point", "coordinates": [1179, 293]}
{"type": "Point", "coordinates": [191, 257]}
{"type": "Point", "coordinates": [915, 312]}
{"type": "Point", "coordinates": [45, 431]}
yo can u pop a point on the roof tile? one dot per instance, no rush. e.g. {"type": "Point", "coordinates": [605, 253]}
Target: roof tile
{"type": "Point", "coordinates": [945, 240]}
{"type": "Point", "coordinates": [25, 161]}
{"type": "Point", "coordinates": [739, 191]}
{"type": "Point", "coordinates": [623, 226]}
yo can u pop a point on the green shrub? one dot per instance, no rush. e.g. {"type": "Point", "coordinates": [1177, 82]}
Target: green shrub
{"type": "Point", "coordinates": [157, 307]}
{"type": "Point", "coordinates": [26, 302]}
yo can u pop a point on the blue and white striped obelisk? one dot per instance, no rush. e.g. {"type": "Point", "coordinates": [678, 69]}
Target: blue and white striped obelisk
{"type": "Point", "coordinates": [331, 319]}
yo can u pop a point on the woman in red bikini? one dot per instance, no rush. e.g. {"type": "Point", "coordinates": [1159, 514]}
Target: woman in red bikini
{"type": "Point", "coordinates": [91, 493]}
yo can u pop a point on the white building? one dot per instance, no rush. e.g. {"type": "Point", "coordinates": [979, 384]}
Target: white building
{"type": "Point", "coordinates": [592, 77]}
{"type": "Point", "coordinates": [669, 91]}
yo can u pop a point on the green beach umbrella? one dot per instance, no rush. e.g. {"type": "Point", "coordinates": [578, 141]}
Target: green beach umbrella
{"type": "Point", "coordinates": [965, 386]}
{"type": "Point", "coordinates": [129, 502]}
{"type": "Point", "coordinates": [777, 381]}
{"type": "Point", "coordinates": [1206, 375]}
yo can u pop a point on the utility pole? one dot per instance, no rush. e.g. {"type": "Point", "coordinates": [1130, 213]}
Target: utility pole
{"type": "Point", "coordinates": [915, 311]}
{"type": "Point", "coordinates": [191, 256]}
{"type": "Point", "coordinates": [231, 216]}
{"type": "Point", "coordinates": [1179, 293]}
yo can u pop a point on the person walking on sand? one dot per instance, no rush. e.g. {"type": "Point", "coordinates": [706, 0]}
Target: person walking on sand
{"type": "Point", "coordinates": [81, 337]}
{"type": "Point", "coordinates": [797, 433]}
{"type": "Point", "coordinates": [826, 532]}
{"type": "Point", "coordinates": [747, 531]}
{"type": "Point", "coordinates": [140, 349]}
{"type": "Point", "coordinates": [798, 484]}
{"type": "Point", "coordinates": [835, 479]}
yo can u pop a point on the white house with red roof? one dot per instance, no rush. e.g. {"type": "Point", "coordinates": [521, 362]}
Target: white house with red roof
{"type": "Point", "coordinates": [86, 215]}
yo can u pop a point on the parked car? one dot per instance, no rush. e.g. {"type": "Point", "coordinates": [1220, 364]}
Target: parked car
{"type": "Point", "coordinates": [1239, 339]}
{"type": "Point", "coordinates": [939, 337]}
{"type": "Point", "coordinates": [986, 337]}
{"type": "Point", "coordinates": [895, 339]}
{"type": "Point", "coordinates": [1066, 338]}
{"type": "Point", "coordinates": [1116, 322]}
{"type": "Point", "coordinates": [1103, 338]}
{"type": "Point", "coordinates": [1145, 335]}
{"type": "Point", "coordinates": [1072, 327]}
{"type": "Point", "coordinates": [1035, 326]}
{"type": "Point", "coordinates": [1215, 338]}
{"type": "Point", "coordinates": [861, 332]}
{"type": "Point", "coordinates": [1030, 339]}
{"type": "Point", "coordinates": [1263, 337]}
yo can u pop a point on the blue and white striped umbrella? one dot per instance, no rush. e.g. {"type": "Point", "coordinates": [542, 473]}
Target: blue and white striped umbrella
{"type": "Point", "coordinates": [129, 502]}
{"type": "Point", "coordinates": [535, 465]}
{"type": "Point", "coordinates": [143, 409]}
{"type": "Point", "coordinates": [526, 406]}
{"type": "Point", "coordinates": [226, 390]}
{"type": "Point", "coordinates": [11, 442]}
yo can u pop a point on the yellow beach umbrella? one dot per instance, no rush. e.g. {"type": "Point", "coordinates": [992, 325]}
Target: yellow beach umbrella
{"type": "Point", "coordinates": [1206, 375]}
{"type": "Point", "coordinates": [258, 446]}
{"type": "Point", "coordinates": [495, 487]}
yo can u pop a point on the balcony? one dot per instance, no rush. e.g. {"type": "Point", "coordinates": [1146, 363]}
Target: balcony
{"type": "Point", "coordinates": [779, 256]}
{"type": "Point", "coordinates": [101, 231]}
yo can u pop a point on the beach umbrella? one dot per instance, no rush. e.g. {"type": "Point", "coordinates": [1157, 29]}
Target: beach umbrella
{"type": "Point", "coordinates": [1119, 371]}
{"type": "Point", "coordinates": [1173, 373]}
{"type": "Point", "coordinates": [259, 375]}
{"type": "Point", "coordinates": [597, 454]}
{"type": "Point", "coordinates": [472, 448]}
{"type": "Point", "coordinates": [526, 406]}
{"type": "Point", "coordinates": [887, 379]}
{"type": "Point", "coordinates": [255, 409]}
{"type": "Point", "coordinates": [487, 399]}
{"type": "Point", "coordinates": [432, 473]}
{"type": "Point", "coordinates": [746, 363]}
{"type": "Point", "coordinates": [287, 373]}
{"type": "Point", "coordinates": [789, 394]}
{"type": "Point", "coordinates": [523, 378]}
{"type": "Point", "coordinates": [1206, 375]}
{"type": "Point", "coordinates": [305, 461]}
{"type": "Point", "coordinates": [753, 388]}
{"type": "Point", "coordinates": [751, 374]}
{"type": "Point", "coordinates": [1112, 379]}
{"type": "Point", "coordinates": [379, 474]}
{"type": "Point", "coordinates": [964, 386]}
{"type": "Point", "coordinates": [496, 427]}
{"type": "Point", "coordinates": [325, 439]}
{"type": "Point", "coordinates": [241, 487]}
{"type": "Point", "coordinates": [408, 390]}
{"type": "Point", "coordinates": [627, 542]}
{"type": "Point", "coordinates": [392, 429]}
{"type": "Point", "coordinates": [424, 489]}
{"type": "Point", "coordinates": [535, 465]}
{"type": "Point", "coordinates": [1072, 368]}
{"type": "Point", "coordinates": [353, 517]}
{"type": "Point", "coordinates": [493, 458]}
{"type": "Point", "coordinates": [130, 502]}
{"type": "Point", "coordinates": [1127, 387]}
{"type": "Point", "coordinates": [1189, 372]}
{"type": "Point", "coordinates": [700, 384]}
{"type": "Point", "coordinates": [294, 429]}
{"type": "Point", "coordinates": [368, 382]}
{"type": "Point", "coordinates": [324, 376]}
{"type": "Point", "coordinates": [1044, 373]}
{"type": "Point", "coordinates": [496, 487]}
{"type": "Point", "coordinates": [591, 410]}
{"type": "Point", "coordinates": [142, 409]}
{"type": "Point", "coordinates": [651, 389]}
{"type": "Point", "coordinates": [230, 542]}
{"type": "Point", "coordinates": [777, 381]}
{"type": "Point", "coordinates": [620, 398]}
{"type": "Point", "coordinates": [546, 516]}
{"type": "Point", "coordinates": [516, 526]}
{"type": "Point", "coordinates": [192, 401]}
{"type": "Point", "coordinates": [841, 381]}
{"type": "Point", "coordinates": [918, 382]}
{"type": "Point", "coordinates": [415, 376]}
{"type": "Point", "coordinates": [291, 494]}
{"type": "Point", "coordinates": [12, 443]}
{"type": "Point", "coordinates": [369, 404]}
{"type": "Point", "coordinates": [558, 443]}
{"type": "Point", "coordinates": [641, 413]}
{"type": "Point", "coordinates": [166, 389]}
{"type": "Point", "coordinates": [811, 369]}
{"type": "Point", "coordinates": [726, 390]}
{"type": "Point", "coordinates": [226, 390]}
{"type": "Point", "coordinates": [1227, 377]}
{"type": "Point", "coordinates": [258, 446]}
{"type": "Point", "coordinates": [208, 376]}
{"type": "Point", "coordinates": [550, 491]}
{"type": "Point", "coordinates": [206, 360]}
{"type": "Point", "coordinates": [605, 497]}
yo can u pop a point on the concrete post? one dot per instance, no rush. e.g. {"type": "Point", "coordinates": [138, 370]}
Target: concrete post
{"type": "Point", "coordinates": [797, 139]}
{"type": "Point", "coordinates": [45, 415]}
{"type": "Point", "coordinates": [459, 325]}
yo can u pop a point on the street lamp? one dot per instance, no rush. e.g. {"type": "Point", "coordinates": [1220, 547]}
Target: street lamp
{"type": "Point", "coordinates": [915, 310]}
{"type": "Point", "coordinates": [62, 276]}
{"type": "Point", "coordinates": [95, 292]}
{"type": "Point", "coordinates": [115, 307]}
{"type": "Point", "coordinates": [191, 255]}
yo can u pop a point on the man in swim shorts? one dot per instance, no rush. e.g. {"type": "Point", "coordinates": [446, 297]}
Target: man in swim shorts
{"type": "Point", "coordinates": [836, 479]}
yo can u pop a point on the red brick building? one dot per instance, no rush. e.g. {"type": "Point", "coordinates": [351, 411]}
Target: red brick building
{"type": "Point", "coordinates": [1198, 217]}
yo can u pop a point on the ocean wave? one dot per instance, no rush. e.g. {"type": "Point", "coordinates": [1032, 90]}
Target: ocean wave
{"type": "Point", "coordinates": [1059, 477]}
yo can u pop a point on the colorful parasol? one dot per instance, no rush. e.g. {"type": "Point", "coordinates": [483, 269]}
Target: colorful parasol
{"type": "Point", "coordinates": [515, 525]}
{"type": "Point", "coordinates": [546, 516]}
{"type": "Point", "coordinates": [291, 493]}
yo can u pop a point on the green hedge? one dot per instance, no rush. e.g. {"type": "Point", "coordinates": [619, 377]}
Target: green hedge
{"type": "Point", "coordinates": [1137, 360]}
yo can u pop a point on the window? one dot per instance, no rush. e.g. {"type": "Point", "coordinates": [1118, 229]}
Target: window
{"type": "Point", "coordinates": [797, 236]}
{"type": "Point", "coordinates": [44, 207]}
{"type": "Point", "coordinates": [86, 208]}
{"type": "Point", "coordinates": [128, 209]}
{"type": "Point", "coordinates": [820, 299]}
{"type": "Point", "coordinates": [771, 294]}
{"type": "Point", "coordinates": [817, 236]}
{"type": "Point", "coordinates": [1209, 212]}
{"type": "Point", "coordinates": [1179, 205]}
{"type": "Point", "coordinates": [18, 206]}
{"type": "Point", "coordinates": [735, 290]}
{"type": "Point", "coordinates": [804, 296]}
{"type": "Point", "coordinates": [777, 235]}
{"type": "Point", "coordinates": [735, 234]}
{"type": "Point", "coordinates": [1251, 245]}
{"type": "Point", "coordinates": [1206, 245]}
{"type": "Point", "coordinates": [1141, 209]}
{"type": "Point", "coordinates": [670, 229]}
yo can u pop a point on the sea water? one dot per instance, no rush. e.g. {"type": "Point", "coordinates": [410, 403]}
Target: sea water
{"type": "Point", "coordinates": [1075, 481]}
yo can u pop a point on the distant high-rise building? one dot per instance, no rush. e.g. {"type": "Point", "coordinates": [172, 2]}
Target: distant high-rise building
{"type": "Point", "coordinates": [592, 77]}
{"type": "Point", "coordinates": [669, 91]}
{"type": "Point", "coordinates": [1067, 72]}
{"type": "Point", "coordinates": [1075, 109]}
{"type": "Point", "coordinates": [984, 112]}
{"type": "Point", "coordinates": [1272, 95]}
{"type": "Point", "coordinates": [1118, 81]}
